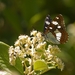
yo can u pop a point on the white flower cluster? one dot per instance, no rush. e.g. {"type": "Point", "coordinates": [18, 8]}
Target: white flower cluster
{"type": "Point", "coordinates": [51, 58]}
{"type": "Point", "coordinates": [32, 48]}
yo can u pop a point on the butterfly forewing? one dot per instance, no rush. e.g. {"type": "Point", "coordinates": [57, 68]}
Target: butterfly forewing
{"type": "Point", "coordinates": [56, 27]}
{"type": "Point", "coordinates": [47, 24]}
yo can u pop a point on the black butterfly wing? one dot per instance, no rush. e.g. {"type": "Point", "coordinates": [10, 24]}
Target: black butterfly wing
{"type": "Point", "coordinates": [47, 24]}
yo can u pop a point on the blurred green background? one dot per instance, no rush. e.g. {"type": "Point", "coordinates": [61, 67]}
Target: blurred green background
{"type": "Point", "coordinates": [21, 16]}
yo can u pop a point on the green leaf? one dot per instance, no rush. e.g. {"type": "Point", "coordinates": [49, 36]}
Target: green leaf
{"type": "Point", "coordinates": [40, 65]}
{"type": "Point", "coordinates": [4, 51]}
{"type": "Point", "coordinates": [4, 59]}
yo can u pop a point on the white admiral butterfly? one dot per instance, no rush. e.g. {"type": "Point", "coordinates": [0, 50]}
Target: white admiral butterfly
{"type": "Point", "coordinates": [54, 30]}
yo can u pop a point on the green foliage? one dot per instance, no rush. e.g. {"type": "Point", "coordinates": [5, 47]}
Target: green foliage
{"type": "Point", "coordinates": [40, 65]}
{"type": "Point", "coordinates": [21, 16]}
{"type": "Point", "coordinates": [4, 60]}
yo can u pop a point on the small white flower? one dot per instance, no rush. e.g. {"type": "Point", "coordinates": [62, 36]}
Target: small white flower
{"type": "Point", "coordinates": [41, 46]}
{"type": "Point", "coordinates": [17, 43]}
{"type": "Point", "coordinates": [54, 50]}
{"type": "Point", "coordinates": [34, 40]}
{"type": "Point", "coordinates": [12, 60]}
{"type": "Point", "coordinates": [11, 50]}
{"type": "Point", "coordinates": [29, 40]}
{"type": "Point", "coordinates": [49, 47]}
{"type": "Point", "coordinates": [59, 63]}
{"type": "Point", "coordinates": [39, 34]}
{"type": "Point", "coordinates": [23, 37]}
{"type": "Point", "coordinates": [12, 55]}
{"type": "Point", "coordinates": [26, 46]}
{"type": "Point", "coordinates": [17, 49]}
{"type": "Point", "coordinates": [34, 32]}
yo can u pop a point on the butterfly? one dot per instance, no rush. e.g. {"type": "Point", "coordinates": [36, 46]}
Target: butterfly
{"type": "Point", "coordinates": [55, 30]}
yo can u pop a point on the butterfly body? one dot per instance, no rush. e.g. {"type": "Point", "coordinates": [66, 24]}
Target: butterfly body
{"type": "Point", "coordinates": [54, 30]}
